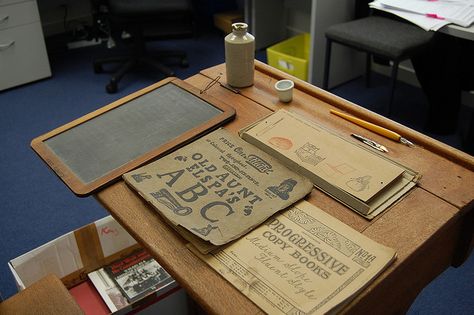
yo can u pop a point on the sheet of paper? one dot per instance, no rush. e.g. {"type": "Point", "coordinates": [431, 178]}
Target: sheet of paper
{"type": "Point", "coordinates": [455, 12]}
{"type": "Point", "coordinates": [218, 187]}
{"type": "Point", "coordinates": [428, 24]}
{"type": "Point", "coordinates": [302, 261]}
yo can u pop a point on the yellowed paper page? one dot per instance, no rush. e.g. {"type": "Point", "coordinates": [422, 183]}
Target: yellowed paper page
{"type": "Point", "coordinates": [302, 261]}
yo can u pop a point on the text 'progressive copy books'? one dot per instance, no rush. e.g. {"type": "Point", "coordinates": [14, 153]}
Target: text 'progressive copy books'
{"type": "Point", "coordinates": [301, 261]}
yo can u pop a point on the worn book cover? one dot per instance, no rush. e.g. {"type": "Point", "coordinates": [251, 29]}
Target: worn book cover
{"type": "Point", "coordinates": [218, 187]}
{"type": "Point", "coordinates": [86, 297]}
{"type": "Point", "coordinates": [301, 261]}
{"type": "Point", "coordinates": [356, 176]}
{"type": "Point", "coordinates": [138, 275]}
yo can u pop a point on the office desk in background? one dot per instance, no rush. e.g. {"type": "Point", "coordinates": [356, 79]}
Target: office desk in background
{"type": "Point", "coordinates": [430, 228]}
{"type": "Point", "coordinates": [459, 31]}
{"type": "Point", "coordinates": [272, 21]}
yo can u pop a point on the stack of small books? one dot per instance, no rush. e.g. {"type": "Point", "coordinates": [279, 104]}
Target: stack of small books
{"type": "Point", "coordinates": [357, 176]}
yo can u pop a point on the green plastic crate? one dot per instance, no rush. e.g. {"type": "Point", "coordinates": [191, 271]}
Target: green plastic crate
{"type": "Point", "coordinates": [291, 56]}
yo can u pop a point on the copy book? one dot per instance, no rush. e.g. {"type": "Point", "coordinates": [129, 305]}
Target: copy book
{"type": "Point", "coordinates": [218, 187]}
{"type": "Point", "coordinates": [301, 261]}
{"type": "Point", "coordinates": [356, 176]}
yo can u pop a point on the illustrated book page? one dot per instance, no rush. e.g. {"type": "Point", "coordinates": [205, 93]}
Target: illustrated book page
{"type": "Point", "coordinates": [108, 290]}
{"type": "Point", "coordinates": [218, 187]}
{"type": "Point", "coordinates": [301, 261]}
{"type": "Point", "coordinates": [352, 174]}
{"type": "Point", "coordinates": [138, 275]}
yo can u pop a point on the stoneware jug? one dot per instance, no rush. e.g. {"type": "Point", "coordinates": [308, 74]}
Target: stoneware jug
{"type": "Point", "coordinates": [239, 56]}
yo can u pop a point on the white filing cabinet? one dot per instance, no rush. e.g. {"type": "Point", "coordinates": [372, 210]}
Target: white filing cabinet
{"type": "Point", "coordinates": [23, 56]}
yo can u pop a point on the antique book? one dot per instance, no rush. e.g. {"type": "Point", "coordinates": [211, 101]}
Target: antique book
{"type": "Point", "coordinates": [139, 275]}
{"type": "Point", "coordinates": [301, 261]}
{"type": "Point", "coordinates": [218, 187]}
{"type": "Point", "coordinates": [356, 176]}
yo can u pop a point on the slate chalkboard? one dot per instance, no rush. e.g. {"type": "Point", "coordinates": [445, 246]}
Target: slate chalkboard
{"type": "Point", "coordinates": [98, 148]}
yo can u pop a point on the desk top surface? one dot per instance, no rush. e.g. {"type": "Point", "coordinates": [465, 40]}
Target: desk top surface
{"type": "Point", "coordinates": [459, 31]}
{"type": "Point", "coordinates": [424, 227]}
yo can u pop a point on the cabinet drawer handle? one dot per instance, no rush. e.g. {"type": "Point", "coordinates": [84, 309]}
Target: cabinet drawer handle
{"type": "Point", "coordinates": [4, 19]}
{"type": "Point", "coordinates": [6, 46]}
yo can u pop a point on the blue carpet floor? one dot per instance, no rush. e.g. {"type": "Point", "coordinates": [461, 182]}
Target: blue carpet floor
{"type": "Point", "coordinates": [36, 207]}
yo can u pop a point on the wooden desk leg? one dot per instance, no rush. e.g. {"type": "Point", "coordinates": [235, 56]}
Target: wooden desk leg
{"type": "Point", "coordinates": [466, 237]}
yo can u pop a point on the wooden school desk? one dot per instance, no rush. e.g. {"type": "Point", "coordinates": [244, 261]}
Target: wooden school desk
{"type": "Point", "coordinates": [431, 228]}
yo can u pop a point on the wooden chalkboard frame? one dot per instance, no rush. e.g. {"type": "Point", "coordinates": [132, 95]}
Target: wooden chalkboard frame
{"type": "Point", "coordinates": [84, 189]}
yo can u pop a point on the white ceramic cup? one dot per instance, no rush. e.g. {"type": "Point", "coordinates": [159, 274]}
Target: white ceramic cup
{"type": "Point", "coordinates": [285, 90]}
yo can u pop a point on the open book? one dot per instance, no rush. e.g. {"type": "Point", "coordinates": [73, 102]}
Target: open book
{"type": "Point", "coordinates": [356, 176]}
{"type": "Point", "coordinates": [301, 261]}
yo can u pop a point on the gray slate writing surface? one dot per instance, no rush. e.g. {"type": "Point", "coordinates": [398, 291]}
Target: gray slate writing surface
{"type": "Point", "coordinates": [106, 142]}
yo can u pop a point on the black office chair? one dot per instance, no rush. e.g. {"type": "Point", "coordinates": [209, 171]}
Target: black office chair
{"type": "Point", "coordinates": [381, 37]}
{"type": "Point", "coordinates": [143, 19]}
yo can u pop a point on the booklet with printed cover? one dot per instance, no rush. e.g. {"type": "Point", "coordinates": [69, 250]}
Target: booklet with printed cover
{"type": "Point", "coordinates": [218, 187]}
{"type": "Point", "coordinates": [138, 275]}
{"type": "Point", "coordinates": [301, 261]}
